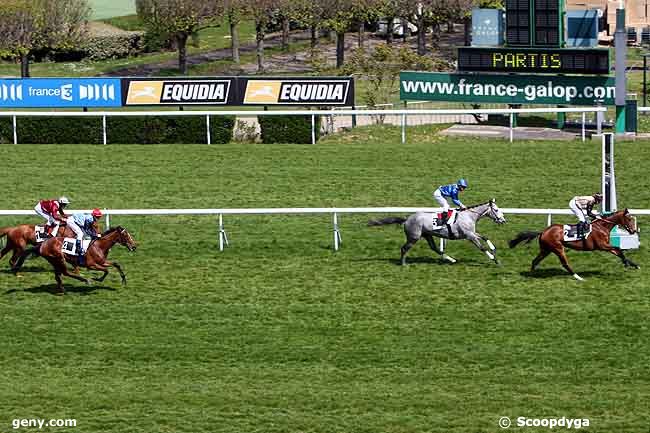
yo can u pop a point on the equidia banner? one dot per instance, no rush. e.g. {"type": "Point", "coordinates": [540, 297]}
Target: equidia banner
{"type": "Point", "coordinates": [178, 91]}
{"type": "Point", "coordinates": [60, 92]}
{"type": "Point", "coordinates": [511, 89]}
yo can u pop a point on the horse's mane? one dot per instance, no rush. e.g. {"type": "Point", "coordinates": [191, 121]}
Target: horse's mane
{"type": "Point", "coordinates": [477, 205]}
{"type": "Point", "coordinates": [109, 231]}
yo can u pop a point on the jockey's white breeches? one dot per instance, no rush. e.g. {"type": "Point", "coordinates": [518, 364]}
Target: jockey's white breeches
{"type": "Point", "coordinates": [437, 195]}
{"type": "Point", "coordinates": [75, 228]}
{"type": "Point", "coordinates": [49, 218]}
{"type": "Point", "coordinates": [577, 211]}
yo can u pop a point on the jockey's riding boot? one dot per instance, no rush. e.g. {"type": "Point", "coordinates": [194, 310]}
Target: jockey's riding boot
{"type": "Point", "coordinates": [80, 253]}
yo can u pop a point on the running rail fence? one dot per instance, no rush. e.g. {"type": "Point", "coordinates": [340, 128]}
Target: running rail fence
{"type": "Point", "coordinates": [333, 211]}
{"type": "Point", "coordinates": [404, 114]}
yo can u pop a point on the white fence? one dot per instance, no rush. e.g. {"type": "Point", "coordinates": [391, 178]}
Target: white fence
{"type": "Point", "coordinates": [403, 114]}
{"type": "Point", "coordinates": [333, 211]}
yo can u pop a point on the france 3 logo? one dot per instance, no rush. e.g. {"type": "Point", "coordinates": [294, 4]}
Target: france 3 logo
{"type": "Point", "coordinates": [60, 92]}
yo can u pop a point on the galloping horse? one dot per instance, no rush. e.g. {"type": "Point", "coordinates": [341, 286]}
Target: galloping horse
{"type": "Point", "coordinates": [551, 240]}
{"type": "Point", "coordinates": [95, 257]}
{"type": "Point", "coordinates": [19, 237]}
{"type": "Point", "coordinates": [420, 225]}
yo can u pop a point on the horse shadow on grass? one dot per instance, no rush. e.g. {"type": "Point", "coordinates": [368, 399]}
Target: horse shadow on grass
{"type": "Point", "coordinates": [423, 260]}
{"type": "Point", "coordinates": [52, 289]}
{"type": "Point", "coordinates": [555, 272]}
{"type": "Point", "coordinates": [27, 269]}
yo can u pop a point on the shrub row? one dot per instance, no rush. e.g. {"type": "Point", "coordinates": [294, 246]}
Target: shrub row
{"type": "Point", "coordinates": [147, 130]}
{"type": "Point", "coordinates": [144, 130]}
{"type": "Point", "coordinates": [113, 46]}
{"type": "Point", "coordinates": [287, 129]}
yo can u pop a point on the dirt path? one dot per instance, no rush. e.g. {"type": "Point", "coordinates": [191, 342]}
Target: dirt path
{"type": "Point", "coordinates": [282, 63]}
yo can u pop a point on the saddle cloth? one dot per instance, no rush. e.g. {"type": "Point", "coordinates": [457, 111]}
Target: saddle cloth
{"type": "Point", "coordinates": [571, 233]}
{"type": "Point", "coordinates": [40, 232]}
{"type": "Point", "coordinates": [69, 246]}
{"type": "Point", "coordinates": [437, 218]}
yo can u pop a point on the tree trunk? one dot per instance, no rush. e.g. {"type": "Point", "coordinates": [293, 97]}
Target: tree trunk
{"type": "Point", "coordinates": [389, 29]}
{"type": "Point", "coordinates": [362, 30]}
{"type": "Point", "coordinates": [24, 65]}
{"type": "Point", "coordinates": [234, 40]}
{"type": "Point", "coordinates": [450, 26]}
{"type": "Point", "coordinates": [467, 21]}
{"type": "Point", "coordinates": [285, 33]}
{"type": "Point", "coordinates": [406, 31]}
{"type": "Point", "coordinates": [422, 43]}
{"type": "Point", "coordinates": [340, 49]}
{"type": "Point", "coordinates": [259, 37]}
{"type": "Point", "coordinates": [314, 37]}
{"type": "Point", "coordinates": [181, 41]}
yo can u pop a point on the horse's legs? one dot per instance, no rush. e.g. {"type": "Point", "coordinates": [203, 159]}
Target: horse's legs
{"type": "Point", "coordinates": [620, 254]}
{"type": "Point", "coordinates": [543, 253]}
{"type": "Point", "coordinates": [474, 238]}
{"type": "Point", "coordinates": [119, 269]}
{"type": "Point", "coordinates": [434, 247]}
{"type": "Point", "coordinates": [491, 246]}
{"type": "Point", "coordinates": [561, 254]}
{"type": "Point", "coordinates": [405, 249]}
{"type": "Point", "coordinates": [5, 250]}
{"type": "Point", "coordinates": [59, 283]}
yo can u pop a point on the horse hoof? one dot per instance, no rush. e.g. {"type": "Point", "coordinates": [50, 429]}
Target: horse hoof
{"type": "Point", "coordinates": [578, 277]}
{"type": "Point", "coordinates": [449, 259]}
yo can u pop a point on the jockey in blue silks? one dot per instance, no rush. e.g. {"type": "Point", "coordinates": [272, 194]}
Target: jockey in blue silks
{"type": "Point", "coordinates": [451, 191]}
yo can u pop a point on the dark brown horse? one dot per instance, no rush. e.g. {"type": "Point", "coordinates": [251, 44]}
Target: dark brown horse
{"type": "Point", "coordinates": [551, 240]}
{"type": "Point", "coordinates": [19, 237]}
{"type": "Point", "coordinates": [95, 257]}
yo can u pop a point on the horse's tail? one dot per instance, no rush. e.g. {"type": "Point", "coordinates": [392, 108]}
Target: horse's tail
{"type": "Point", "coordinates": [386, 221]}
{"type": "Point", "coordinates": [523, 236]}
{"type": "Point", "coordinates": [29, 252]}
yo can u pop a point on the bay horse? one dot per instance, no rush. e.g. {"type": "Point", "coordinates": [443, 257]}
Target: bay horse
{"type": "Point", "coordinates": [551, 240]}
{"type": "Point", "coordinates": [95, 257]}
{"type": "Point", "coordinates": [420, 225]}
{"type": "Point", "coordinates": [19, 237]}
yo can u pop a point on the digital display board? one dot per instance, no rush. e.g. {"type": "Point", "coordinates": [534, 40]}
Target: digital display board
{"type": "Point", "coordinates": [549, 60]}
{"type": "Point", "coordinates": [518, 22]}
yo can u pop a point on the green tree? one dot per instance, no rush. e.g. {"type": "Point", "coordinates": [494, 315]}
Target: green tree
{"type": "Point", "coordinates": [30, 25]}
{"type": "Point", "coordinates": [180, 19]}
{"type": "Point", "coordinates": [234, 11]}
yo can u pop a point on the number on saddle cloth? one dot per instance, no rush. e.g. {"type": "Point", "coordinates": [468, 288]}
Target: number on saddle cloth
{"type": "Point", "coordinates": [41, 232]}
{"type": "Point", "coordinates": [438, 220]}
{"type": "Point", "coordinates": [71, 247]}
{"type": "Point", "coordinates": [572, 233]}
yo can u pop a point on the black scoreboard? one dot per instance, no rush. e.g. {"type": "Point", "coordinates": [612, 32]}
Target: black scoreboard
{"type": "Point", "coordinates": [545, 60]}
{"type": "Point", "coordinates": [533, 23]}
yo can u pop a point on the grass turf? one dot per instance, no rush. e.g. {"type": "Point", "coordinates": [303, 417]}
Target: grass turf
{"type": "Point", "coordinates": [280, 334]}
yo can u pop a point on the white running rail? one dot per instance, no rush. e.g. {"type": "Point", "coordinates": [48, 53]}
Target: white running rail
{"type": "Point", "coordinates": [313, 113]}
{"type": "Point", "coordinates": [333, 211]}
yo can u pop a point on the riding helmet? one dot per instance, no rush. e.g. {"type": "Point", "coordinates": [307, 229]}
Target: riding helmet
{"type": "Point", "coordinates": [462, 182]}
{"type": "Point", "coordinates": [97, 213]}
{"type": "Point", "coordinates": [64, 200]}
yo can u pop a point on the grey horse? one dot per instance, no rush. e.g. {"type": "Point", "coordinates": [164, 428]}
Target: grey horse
{"type": "Point", "coordinates": [420, 225]}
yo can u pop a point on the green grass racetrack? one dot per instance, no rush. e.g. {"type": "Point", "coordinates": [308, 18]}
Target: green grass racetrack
{"type": "Point", "coordinates": [280, 334]}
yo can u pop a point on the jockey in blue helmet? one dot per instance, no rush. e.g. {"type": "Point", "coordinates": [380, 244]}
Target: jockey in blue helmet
{"type": "Point", "coordinates": [449, 191]}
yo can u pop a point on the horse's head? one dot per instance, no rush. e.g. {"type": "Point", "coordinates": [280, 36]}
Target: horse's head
{"type": "Point", "coordinates": [495, 213]}
{"type": "Point", "coordinates": [625, 220]}
{"type": "Point", "coordinates": [125, 239]}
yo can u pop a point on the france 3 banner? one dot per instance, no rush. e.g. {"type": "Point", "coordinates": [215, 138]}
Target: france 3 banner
{"type": "Point", "coordinates": [178, 91]}
{"type": "Point", "coordinates": [296, 91]}
{"type": "Point", "coordinates": [60, 92]}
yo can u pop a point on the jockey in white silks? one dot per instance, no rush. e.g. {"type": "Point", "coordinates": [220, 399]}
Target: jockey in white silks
{"type": "Point", "coordinates": [582, 207]}
{"type": "Point", "coordinates": [83, 223]}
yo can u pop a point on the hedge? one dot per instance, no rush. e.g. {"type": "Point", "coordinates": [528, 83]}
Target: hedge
{"type": "Point", "coordinates": [142, 130]}
{"type": "Point", "coordinates": [113, 46]}
{"type": "Point", "coordinates": [287, 129]}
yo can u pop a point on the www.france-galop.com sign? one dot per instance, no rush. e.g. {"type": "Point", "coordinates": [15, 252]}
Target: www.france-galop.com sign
{"type": "Point", "coordinates": [509, 89]}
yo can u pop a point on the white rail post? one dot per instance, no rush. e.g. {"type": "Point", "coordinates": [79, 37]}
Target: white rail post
{"type": "Point", "coordinates": [337, 233]}
{"type": "Point", "coordinates": [512, 132]}
{"type": "Point", "coordinates": [549, 218]}
{"type": "Point", "coordinates": [313, 129]}
{"type": "Point", "coordinates": [207, 127]}
{"type": "Point", "coordinates": [104, 129]}
{"type": "Point", "coordinates": [442, 245]}
{"type": "Point", "coordinates": [403, 128]}
{"type": "Point", "coordinates": [221, 232]}
{"type": "Point", "coordinates": [108, 219]}
{"type": "Point", "coordinates": [583, 125]}
{"type": "Point", "coordinates": [15, 131]}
